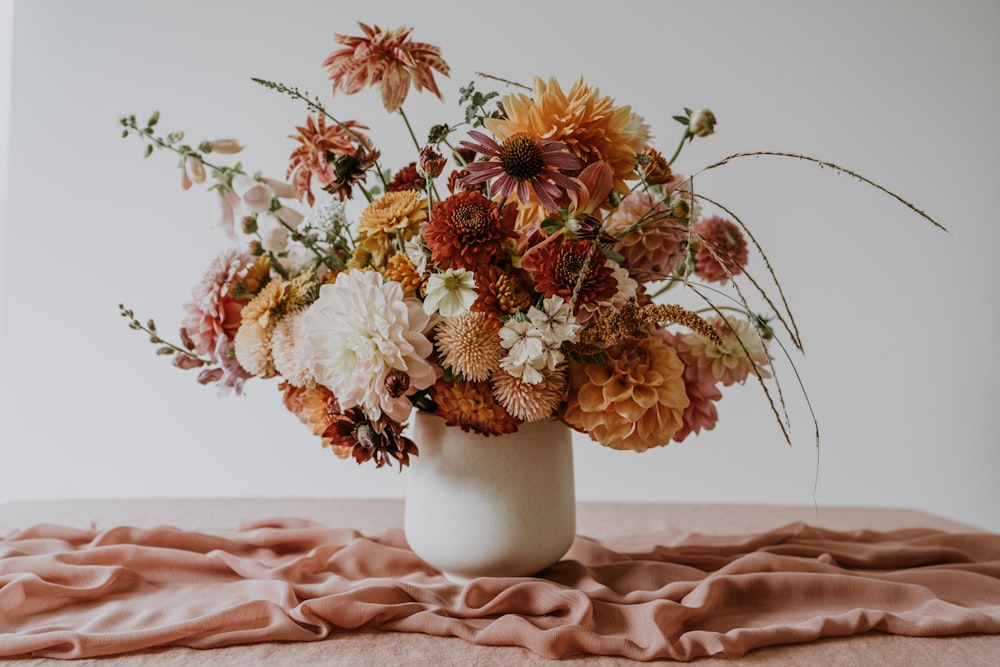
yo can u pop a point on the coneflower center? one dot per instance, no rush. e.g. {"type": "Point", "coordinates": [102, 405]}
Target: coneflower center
{"type": "Point", "coordinates": [521, 156]}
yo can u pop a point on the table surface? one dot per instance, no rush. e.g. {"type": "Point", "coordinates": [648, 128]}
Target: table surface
{"type": "Point", "coordinates": [595, 519]}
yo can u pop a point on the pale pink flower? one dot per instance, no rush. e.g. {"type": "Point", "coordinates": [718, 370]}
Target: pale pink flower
{"type": "Point", "coordinates": [213, 317]}
{"type": "Point", "coordinates": [280, 188]}
{"type": "Point", "coordinates": [651, 240]}
{"type": "Point", "coordinates": [194, 169]}
{"type": "Point", "coordinates": [365, 343]}
{"type": "Point", "coordinates": [254, 194]}
{"type": "Point", "coordinates": [728, 363]}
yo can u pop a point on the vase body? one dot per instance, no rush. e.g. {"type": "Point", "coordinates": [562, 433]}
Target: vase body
{"type": "Point", "coordinates": [500, 506]}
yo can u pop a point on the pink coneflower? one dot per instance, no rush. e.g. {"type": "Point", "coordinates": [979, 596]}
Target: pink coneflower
{"type": "Point", "coordinates": [525, 165]}
{"type": "Point", "coordinates": [386, 59]}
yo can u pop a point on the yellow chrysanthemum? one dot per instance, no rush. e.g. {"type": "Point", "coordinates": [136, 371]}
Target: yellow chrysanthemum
{"type": "Point", "coordinates": [394, 215]}
{"type": "Point", "coordinates": [589, 125]}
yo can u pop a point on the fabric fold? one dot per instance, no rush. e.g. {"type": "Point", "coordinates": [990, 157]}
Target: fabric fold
{"type": "Point", "coordinates": [74, 593]}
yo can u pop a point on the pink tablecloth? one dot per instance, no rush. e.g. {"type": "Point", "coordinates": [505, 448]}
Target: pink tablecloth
{"type": "Point", "coordinates": [132, 588]}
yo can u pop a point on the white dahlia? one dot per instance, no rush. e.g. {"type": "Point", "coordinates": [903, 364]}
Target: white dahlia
{"type": "Point", "coordinates": [360, 335]}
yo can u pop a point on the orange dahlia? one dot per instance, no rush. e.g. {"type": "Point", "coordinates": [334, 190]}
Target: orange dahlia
{"type": "Point", "coordinates": [633, 398]}
{"type": "Point", "coordinates": [589, 125]}
{"type": "Point", "coordinates": [471, 406]}
{"type": "Point", "coordinates": [467, 230]}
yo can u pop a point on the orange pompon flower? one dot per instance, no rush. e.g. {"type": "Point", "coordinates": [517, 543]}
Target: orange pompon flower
{"type": "Point", "coordinates": [386, 59]}
{"type": "Point", "coordinates": [589, 125]}
{"type": "Point", "coordinates": [317, 408]}
{"type": "Point", "coordinates": [469, 346]}
{"type": "Point", "coordinates": [467, 230]}
{"type": "Point", "coordinates": [501, 294]}
{"type": "Point", "coordinates": [471, 406]}
{"type": "Point", "coordinates": [633, 399]}
{"type": "Point", "coordinates": [530, 402]}
{"type": "Point", "coordinates": [319, 147]}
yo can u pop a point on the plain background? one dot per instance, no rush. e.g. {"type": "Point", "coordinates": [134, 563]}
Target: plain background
{"type": "Point", "coordinates": [900, 321]}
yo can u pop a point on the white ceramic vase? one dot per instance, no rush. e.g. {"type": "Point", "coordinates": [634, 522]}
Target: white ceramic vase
{"type": "Point", "coordinates": [500, 506]}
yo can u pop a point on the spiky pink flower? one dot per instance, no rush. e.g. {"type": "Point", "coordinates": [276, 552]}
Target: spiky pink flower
{"type": "Point", "coordinates": [386, 59]}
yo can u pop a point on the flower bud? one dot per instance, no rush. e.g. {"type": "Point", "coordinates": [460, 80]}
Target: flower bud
{"type": "Point", "coordinates": [194, 168]}
{"type": "Point", "coordinates": [656, 170]}
{"type": "Point", "coordinates": [702, 123]}
{"type": "Point", "coordinates": [430, 162]}
{"type": "Point", "coordinates": [226, 146]}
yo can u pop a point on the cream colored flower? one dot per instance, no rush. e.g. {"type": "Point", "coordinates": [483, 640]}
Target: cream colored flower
{"type": "Point", "coordinates": [450, 292]}
{"type": "Point", "coordinates": [360, 331]}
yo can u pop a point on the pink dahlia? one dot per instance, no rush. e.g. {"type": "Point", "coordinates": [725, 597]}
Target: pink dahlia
{"type": "Point", "coordinates": [742, 353]}
{"type": "Point", "coordinates": [651, 240]}
{"type": "Point", "coordinates": [213, 317]}
{"type": "Point", "coordinates": [723, 251]}
{"type": "Point", "coordinates": [386, 59]}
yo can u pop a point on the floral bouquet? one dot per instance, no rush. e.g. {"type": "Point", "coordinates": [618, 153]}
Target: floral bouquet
{"type": "Point", "coordinates": [510, 273]}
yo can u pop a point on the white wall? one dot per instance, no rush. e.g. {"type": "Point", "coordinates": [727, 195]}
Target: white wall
{"type": "Point", "coordinates": [899, 320]}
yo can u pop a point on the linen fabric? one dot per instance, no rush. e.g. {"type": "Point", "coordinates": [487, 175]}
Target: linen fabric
{"type": "Point", "coordinates": [71, 593]}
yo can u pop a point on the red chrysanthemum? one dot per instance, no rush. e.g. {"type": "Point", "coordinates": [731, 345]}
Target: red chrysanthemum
{"type": "Point", "coordinates": [407, 178]}
{"type": "Point", "coordinates": [467, 230]}
{"type": "Point", "coordinates": [556, 268]}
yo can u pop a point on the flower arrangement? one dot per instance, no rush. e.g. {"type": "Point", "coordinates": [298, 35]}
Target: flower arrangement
{"type": "Point", "coordinates": [511, 272]}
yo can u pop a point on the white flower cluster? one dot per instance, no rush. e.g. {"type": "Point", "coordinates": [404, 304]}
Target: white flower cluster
{"type": "Point", "coordinates": [533, 341]}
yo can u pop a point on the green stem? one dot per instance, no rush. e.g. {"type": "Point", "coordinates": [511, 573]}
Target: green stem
{"type": "Point", "coordinates": [409, 128]}
{"type": "Point", "coordinates": [687, 137]}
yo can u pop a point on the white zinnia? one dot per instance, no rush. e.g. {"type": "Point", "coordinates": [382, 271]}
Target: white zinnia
{"type": "Point", "coordinates": [358, 331]}
{"type": "Point", "coordinates": [450, 292]}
